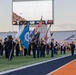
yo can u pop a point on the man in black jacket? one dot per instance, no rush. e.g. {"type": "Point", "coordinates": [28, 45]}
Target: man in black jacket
{"type": "Point", "coordinates": [52, 47]}
{"type": "Point", "coordinates": [6, 47]}
{"type": "Point", "coordinates": [63, 49]}
{"type": "Point", "coordinates": [72, 48]}
{"type": "Point", "coordinates": [34, 48]}
{"type": "Point", "coordinates": [10, 48]}
{"type": "Point", "coordinates": [1, 48]}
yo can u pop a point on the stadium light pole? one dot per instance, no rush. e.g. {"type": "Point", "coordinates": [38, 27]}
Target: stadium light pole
{"type": "Point", "coordinates": [53, 10]}
{"type": "Point", "coordinates": [52, 13]}
{"type": "Point", "coordinates": [12, 16]}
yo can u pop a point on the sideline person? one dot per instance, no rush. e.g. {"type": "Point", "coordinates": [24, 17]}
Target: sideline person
{"type": "Point", "coordinates": [72, 48]}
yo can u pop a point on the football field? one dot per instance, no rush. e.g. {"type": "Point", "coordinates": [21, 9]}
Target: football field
{"type": "Point", "coordinates": [57, 66]}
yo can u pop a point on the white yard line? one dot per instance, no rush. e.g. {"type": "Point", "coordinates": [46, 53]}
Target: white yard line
{"type": "Point", "coordinates": [60, 67]}
{"type": "Point", "coordinates": [8, 71]}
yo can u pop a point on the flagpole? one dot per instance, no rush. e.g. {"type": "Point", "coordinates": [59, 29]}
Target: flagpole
{"type": "Point", "coordinates": [12, 30]}
{"type": "Point", "coordinates": [53, 10]}
{"type": "Point", "coordinates": [41, 20]}
{"type": "Point", "coordinates": [41, 30]}
{"type": "Point", "coordinates": [50, 34]}
{"type": "Point", "coordinates": [47, 33]}
{"type": "Point", "coordinates": [12, 16]}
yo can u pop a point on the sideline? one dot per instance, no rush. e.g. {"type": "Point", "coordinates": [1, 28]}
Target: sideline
{"type": "Point", "coordinates": [60, 67]}
{"type": "Point", "coordinates": [8, 71]}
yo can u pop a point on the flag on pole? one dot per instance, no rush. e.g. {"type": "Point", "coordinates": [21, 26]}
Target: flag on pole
{"type": "Point", "coordinates": [38, 26]}
{"type": "Point", "coordinates": [32, 34]}
{"type": "Point", "coordinates": [24, 37]}
{"type": "Point", "coordinates": [37, 35]}
{"type": "Point", "coordinates": [47, 35]}
{"type": "Point", "coordinates": [37, 29]}
{"type": "Point", "coordinates": [19, 32]}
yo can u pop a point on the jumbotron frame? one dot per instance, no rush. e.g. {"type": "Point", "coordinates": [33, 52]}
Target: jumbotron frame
{"type": "Point", "coordinates": [34, 22]}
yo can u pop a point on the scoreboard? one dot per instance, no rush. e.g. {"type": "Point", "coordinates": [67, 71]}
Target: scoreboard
{"type": "Point", "coordinates": [32, 22]}
{"type": "Point", "coordinates": [34, 11]}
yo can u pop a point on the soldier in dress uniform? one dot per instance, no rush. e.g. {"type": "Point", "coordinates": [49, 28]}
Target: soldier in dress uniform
{"type": "Point", "coordinates": [9, 47]}
{"type": "Point", "coordinates": [72, 48]}
{"type": "Point", "coordinates": [34, 48]}
{"type": "Point", "coordinates": [38, 47]}
{"type": "Point", "coordinates": [1, 48]}
{"type": "Point", "coordinates": [13, 46]}
{"type": "Point", "coordinates": [42, 49]}
{"type": "Point", "coordinates": [17, 48]}
{"type": "Point", "coordinates": [6, 47]}
{"type": "Point", "coordinates": [42, 45]}
{"type": "Point", "coordinates": [29, 50]}
{"type": "Point", "coordinates": [52, 47]}
{"type": "Point", "coordinates": [47, 49]}
{"type": "Point", "coordinates": [25, 51]}
{"type": "Point", "coordinates": [56, 47]}
{"type": "Point", "coordinates": [63, 49]}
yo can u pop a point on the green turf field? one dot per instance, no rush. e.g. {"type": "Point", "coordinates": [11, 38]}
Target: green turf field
{"type": "Point", "coordinates": [20, 61]}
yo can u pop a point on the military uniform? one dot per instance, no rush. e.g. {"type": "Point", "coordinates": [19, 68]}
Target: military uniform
{"type": "Point", "coordinates": [6, 47]}
{"type": "Point", "coordinates": [34, 48]}
{"type": "Point", "coordinates": [38, 48]}
{"type": "Point", "coordinates": [9, 47]}
{"type": "Point", "coordinates": [42, 49]}
{"type": "Point", "coordinates": [1, 49]}
{"type": "Point", "coordinates": [72, 48]}
{"type": "Point", "coordinates": [52, 48]}
{"type": "Point", "coordinates": [17, 48]}
{"type": "Point", "coordinates": [63, 49]}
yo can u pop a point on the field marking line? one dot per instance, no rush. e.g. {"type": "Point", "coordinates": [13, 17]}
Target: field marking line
{"type": "Point", "coordinates": [8, 71]}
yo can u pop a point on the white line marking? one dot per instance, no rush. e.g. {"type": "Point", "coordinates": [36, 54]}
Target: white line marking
{"type": "Point", "coordinates": [60, 67]}
{"type": "Point", "coordinates": [8, 71]}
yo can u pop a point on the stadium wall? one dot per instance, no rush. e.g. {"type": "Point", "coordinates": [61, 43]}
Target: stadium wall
{"type": "Point", "coordinates": [57, 35]}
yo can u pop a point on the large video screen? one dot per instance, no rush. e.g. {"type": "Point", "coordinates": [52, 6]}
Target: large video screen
{"type": "Point", "coordinates": [32, 10]}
